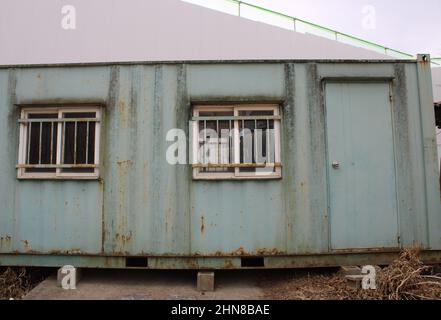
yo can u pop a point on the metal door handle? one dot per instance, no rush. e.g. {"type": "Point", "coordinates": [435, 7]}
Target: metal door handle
{"type": "Point", "coordinates": [335, 165]}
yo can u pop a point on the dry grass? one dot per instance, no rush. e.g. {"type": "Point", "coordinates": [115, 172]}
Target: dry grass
{"type": "Point", "coordinates": [15, 283]}
{"type": "Point", "coordinates": [405, 279]}
{"type": "Point", "coordinates": [311, 286]}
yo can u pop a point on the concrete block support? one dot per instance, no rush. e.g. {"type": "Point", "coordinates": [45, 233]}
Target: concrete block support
{"type": "Point", "coordinates": [354, 281]}
{"type": "Point", "coordinates": [350, 270]}
{"type": "Point", "coordinates": [205, 281]}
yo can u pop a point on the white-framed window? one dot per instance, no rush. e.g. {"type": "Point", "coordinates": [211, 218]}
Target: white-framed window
{"type": "Point", "coordinates": [236, 142]}
{"type": "Point", "coordinates": [59, 142]}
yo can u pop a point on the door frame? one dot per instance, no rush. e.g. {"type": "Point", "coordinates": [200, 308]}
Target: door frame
{"type": "Point", "coordinates": [359, 80]}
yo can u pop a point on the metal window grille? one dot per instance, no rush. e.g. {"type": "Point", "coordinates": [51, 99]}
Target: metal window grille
{"type": "Point", "coordinates": [59, 143]}
{"type": "Point", "coordinates": [240, 141]}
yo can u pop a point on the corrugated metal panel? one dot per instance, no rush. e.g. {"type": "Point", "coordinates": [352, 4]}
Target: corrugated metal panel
{"type": "Point", "coordinates": [144, 206]}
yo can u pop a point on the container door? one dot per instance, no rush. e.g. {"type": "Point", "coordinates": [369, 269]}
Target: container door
{"type": "Point", "coordinates": [361, 166]}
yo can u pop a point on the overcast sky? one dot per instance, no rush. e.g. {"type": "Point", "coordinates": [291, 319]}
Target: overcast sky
{"type": "Point", "coordinates": [404, 25]}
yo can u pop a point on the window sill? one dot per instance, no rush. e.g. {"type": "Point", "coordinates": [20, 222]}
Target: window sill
{"type": "Point", "coordinates": [58, 178]}
{"type": "Point", "coordinates": [238, 178]}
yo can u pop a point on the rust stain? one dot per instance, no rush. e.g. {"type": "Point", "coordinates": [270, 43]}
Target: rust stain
{"type": "Point", "coordinates": [239, 252]}
{"type": "Point", "coordinates": [123, 238]}
{"type": "Point", "coordinates": [146, 186]}
{"type": "Point", "coordinates": [73, 251]}
{"type": "Point", "coordinates": [25, 244]}
{"type": "Point", "coordinates": [5, 241]}
{"type": "Point", "coordinates": [191, 263]}
{"type": "Point", "coordinates": [269, 252]}
{"type": "Point", "coordinates": [28, 252]}
{"type": "Point", "coordinates": [168, 220]}
{"type": "Point", "coordinates": [124, 164]}
{"type": "Point", "coordinates": [202, 225]}
{"type": "Point", "coordinates": [55, 252]}
{"type": "Point", "coordinates": [123, 167]}
{"type": "Point", "coordinates": [424, 60]}
{"type": "Point", "coordinates": [229, 264]}
{"type": "Point", "coordinates": [122, 114]}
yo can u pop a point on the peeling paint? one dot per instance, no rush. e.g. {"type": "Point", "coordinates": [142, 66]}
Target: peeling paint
{"type": "Point", "coordinates": [141, 206]}
{"type": "Point", "coordinates": [25, 245]}
{"type": "Point", "coordinates": [202, 225]}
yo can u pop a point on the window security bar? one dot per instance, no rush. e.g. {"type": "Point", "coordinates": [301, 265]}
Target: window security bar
{"type": "Point", "coordinates": [57, 121]}
{"type": "Point", "coordinates": [236, 141]}
{"type": "Point", "coordinates": [57, 166]}
{"type": "Point", "coordinates": [54, 120]}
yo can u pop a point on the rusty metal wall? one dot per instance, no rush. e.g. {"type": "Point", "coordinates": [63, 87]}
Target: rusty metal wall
{"type": "Point", "coordinates": [144, 206]}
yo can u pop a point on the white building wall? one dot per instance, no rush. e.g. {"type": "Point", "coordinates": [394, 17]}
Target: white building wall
{"type": "Point", "coordinates": [112, 30]}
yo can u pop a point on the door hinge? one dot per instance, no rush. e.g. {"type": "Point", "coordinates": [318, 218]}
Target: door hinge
{"type": "Point", "coordinates": [399, 239]}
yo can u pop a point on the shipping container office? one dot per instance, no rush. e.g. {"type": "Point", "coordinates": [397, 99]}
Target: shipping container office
{"type": "Point", "coordinates": [353, 177]}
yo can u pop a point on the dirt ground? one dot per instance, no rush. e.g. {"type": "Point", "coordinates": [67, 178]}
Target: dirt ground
{"type": "Point", "coordinates": [151, 285]}
{"type": "Point", "coordinates": [181, 285]}
{"type": "Point", "coordinates": [405, 279]}
{"type": "Point", "coordinates": [317, 284]}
